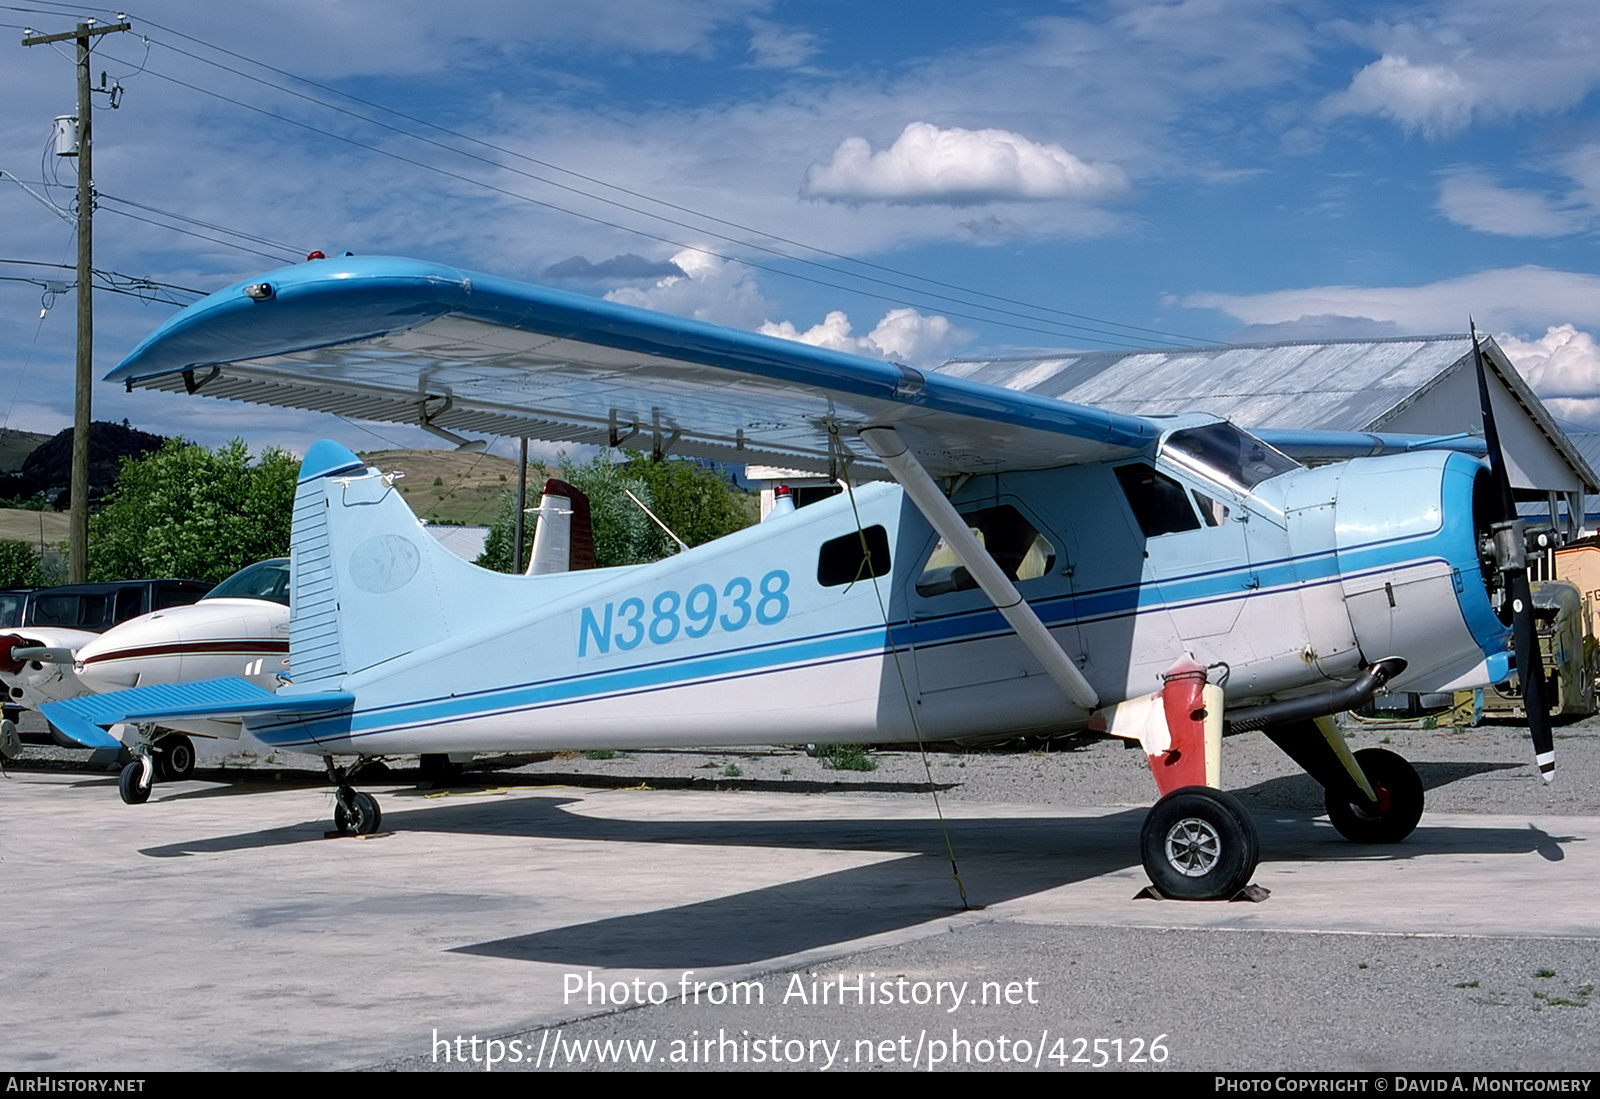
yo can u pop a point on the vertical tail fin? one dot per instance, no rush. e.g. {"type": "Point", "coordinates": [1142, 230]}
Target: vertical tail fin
{"type": "Point", "coordinates": [370, 584]}
{"type": "Point", "coordinates": [563, 540]}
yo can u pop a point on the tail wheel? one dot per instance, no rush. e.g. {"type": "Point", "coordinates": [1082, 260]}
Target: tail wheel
{"type": "Point", "coordinates": [1399, 805]}
{"type": "Point", "coordinates": [178, 750]}
{"type": "Point", "coordinates": [131, 784]}
{"type": "Point", "coordinates": [363, 817]}
{"type": "Point", "coordinates": [1199, 844]}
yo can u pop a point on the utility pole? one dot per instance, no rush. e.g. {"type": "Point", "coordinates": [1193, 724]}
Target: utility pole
{"type": "Point", "coordinates": [78, 523]}
{"type": "Point", "coordinates": [522, 503]}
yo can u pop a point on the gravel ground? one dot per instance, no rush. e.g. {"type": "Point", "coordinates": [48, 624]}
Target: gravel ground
{"type": "Point", "coordinates": [1488, 769]}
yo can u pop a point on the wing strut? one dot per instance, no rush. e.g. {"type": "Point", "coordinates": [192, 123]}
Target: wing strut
{"type": "Point", "coordinates": [905, 468]}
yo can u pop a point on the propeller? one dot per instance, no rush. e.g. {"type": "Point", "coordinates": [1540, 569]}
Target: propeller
{"type": "Point", "coordinates": [1509, 549]}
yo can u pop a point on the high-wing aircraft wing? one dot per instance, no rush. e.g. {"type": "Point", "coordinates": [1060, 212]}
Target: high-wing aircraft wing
{"type": "Point", "coordinates": [411, 342]}
{"type": "Point", "coordinates": [1113, 553]}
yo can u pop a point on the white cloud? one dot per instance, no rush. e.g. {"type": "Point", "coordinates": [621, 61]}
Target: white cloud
{"type": "Point", "coordinates": [1517, 298]}
{"type": "Point", "coordinates": [1449, 63]}
{"type": "Point", "coordinates": [1431, 98]}
{"type": "Point", "coordinates": [1469, 199]}
{"type": "Point", "coordinates": [775, 47]}
{"type": "Point", "coordinates": [903, 335]}
{"type": "Point", "coordinates": [1563, 367]}
{"type": "Point", "coordinates": [960, 168]}
{"type": "Point", "coordinates": [710, 289]}
{"type": "Point", "coordinates": [1564, 362]}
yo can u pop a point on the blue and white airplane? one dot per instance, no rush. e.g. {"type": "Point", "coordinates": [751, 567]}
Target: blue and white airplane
{"type": "Point", "coordinates": [1004, 564]}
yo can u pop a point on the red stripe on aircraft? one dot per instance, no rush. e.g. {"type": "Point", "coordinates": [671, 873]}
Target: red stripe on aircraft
{"type": "Point", "coordinates": [242, 647]}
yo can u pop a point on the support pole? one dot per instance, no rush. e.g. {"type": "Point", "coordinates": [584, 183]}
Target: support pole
{"type": "Point", "coordinates": [939, 512]}
{"type": "Point", "coordinates": [78, 521]}
{"type": "Point", "coordinates": [522, 503]}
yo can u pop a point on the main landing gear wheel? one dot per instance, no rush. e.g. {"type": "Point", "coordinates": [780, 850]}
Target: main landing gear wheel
{"type": "Point", "coordinates": [1199, 844]}
{"type": "Point", "coordinates": [178, 751]}
{"type": "Point", "coordinates": [1399, 805]}
{"type": "Point", "coordinates": [131, 784]}
{"type": "Point", "coordinates": [363, 817]}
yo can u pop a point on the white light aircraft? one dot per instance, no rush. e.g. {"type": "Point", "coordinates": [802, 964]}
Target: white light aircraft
{"type": "Point", "coordinates": [238, 628]}
{"type": "Point", "coordinates": [1004, 563]}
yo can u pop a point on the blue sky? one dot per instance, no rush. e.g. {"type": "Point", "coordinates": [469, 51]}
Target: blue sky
{"type": "Point", "coordinates": [1208, 170]}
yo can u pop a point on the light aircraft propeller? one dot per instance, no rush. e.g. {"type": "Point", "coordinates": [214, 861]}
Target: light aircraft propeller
{"type": "Point", "coordinates": [1507, 548]}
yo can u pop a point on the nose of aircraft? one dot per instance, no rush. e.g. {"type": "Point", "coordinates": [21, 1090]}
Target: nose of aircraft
{"type": "Point", "coordinates": [1407, 543]}
{"type": "Point", "coordinates": [108, 662]}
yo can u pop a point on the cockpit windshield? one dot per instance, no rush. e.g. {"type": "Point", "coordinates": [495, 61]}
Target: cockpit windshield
{"type": "Point", "coordinates": [267, 580]}
{"type": "Point", "coordinates": [1224, 454]}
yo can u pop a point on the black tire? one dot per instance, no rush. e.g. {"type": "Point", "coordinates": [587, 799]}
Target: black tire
{"type": "Point", "coordinates": [130, 786]}
{"type": "Point", "coordinates": [179, 753]}
{"type": "Point", "coordinates": [1199, 844]}
{"type": "Point", "coordinates": [364, 818]}
{"type": "Point", "coordinates": [1400, 799]}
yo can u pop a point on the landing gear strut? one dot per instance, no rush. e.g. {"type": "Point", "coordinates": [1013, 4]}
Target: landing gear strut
{"type": "Point", "coordinates": [353, 811]}
{"type": "Point", "coordinates": [136, 779]}
{"type": "Point", "coordinates": [1199, 844]}
{"type": "Point", "coordinates": [1395, 807]}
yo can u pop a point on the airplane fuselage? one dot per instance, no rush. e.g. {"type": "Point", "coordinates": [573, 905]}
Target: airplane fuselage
{"type": "Point", "coordinates": [780, 633]}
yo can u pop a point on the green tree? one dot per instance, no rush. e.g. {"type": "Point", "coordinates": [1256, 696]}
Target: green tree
{"type": "Point", "coordinates": [19, 566]}
{"type": "Point", "coordinates": [698, 503]}
{"type": "Point", "coordinates": [189, 512]}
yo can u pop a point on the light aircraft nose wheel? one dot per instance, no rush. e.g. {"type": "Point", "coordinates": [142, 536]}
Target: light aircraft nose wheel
{"type": "Point", "coordinates": [179, 753]}
{"type": "Point", "coordinates": [1199, 844]}
{"type": "Point", "coordinates": [1399, 806]}
{"type": "Point", "coordinates": [131, 784]}
{"type": "Point", "coordinates": [362, 818]}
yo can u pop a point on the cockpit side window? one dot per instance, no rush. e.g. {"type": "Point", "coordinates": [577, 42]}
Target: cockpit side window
{"type": "Point", "coordinates": [1159, 503]}
{"type": "Point", "coordinates": [1016, 546]}
{"type": "Point", "coordinates": [1223, 453]}
{"type": "Point", "coordinates": [267, 580]}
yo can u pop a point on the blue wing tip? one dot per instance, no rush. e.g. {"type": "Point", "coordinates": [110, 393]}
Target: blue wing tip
{"type": "Point", "coordinates": [326, 458]}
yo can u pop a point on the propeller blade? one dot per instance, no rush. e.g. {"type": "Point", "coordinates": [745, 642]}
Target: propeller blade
{"type": "Point", "coordinates": [1511, 560]}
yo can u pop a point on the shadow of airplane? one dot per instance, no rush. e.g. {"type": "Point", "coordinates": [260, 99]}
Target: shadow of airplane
{"type": "Point", "coordinates": [1001, 858]}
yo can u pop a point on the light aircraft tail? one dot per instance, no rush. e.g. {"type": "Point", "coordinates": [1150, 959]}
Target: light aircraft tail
{"type": "Point", "coordinates": [369, 584]}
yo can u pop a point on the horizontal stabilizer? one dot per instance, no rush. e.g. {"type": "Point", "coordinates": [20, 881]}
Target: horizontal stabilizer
{"type": "Point", "coordinates": [82, 719]}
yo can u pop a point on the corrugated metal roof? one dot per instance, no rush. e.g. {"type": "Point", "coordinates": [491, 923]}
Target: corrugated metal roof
{"type": "Point", "coordinates": [1332, 385]}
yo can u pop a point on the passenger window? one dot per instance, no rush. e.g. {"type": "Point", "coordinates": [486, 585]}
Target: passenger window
{"type": "Point", "coordinates": [93, 614]}
{"type": "Point", "coordinates": [1021, 552]}
{"type": "Point", "coordinates": [1213, 512]}
{"type": "Point", "coordinates": [842, 560]}
{"type": "Point", "coordinates": [1159, 503]}
{"type": "Point", "coordinates": [130, 604]}
{"type": "Point", "coordinates": [178, 595]}
{"type": "Point", "coordinates": [57, 610]}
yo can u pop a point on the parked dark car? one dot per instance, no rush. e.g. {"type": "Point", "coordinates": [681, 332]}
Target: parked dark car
{"type": "Point", "coordinates": [98, 607]}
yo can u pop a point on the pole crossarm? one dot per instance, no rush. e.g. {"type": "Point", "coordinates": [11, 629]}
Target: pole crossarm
{"type": "Point", "coordinates": [83, 30]}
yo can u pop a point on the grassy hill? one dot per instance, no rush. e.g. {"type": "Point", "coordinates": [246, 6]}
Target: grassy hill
{"type": "Point", "coordinates": [25, 526]}
{"type": "Point", "coordinates": [447, 486]}
{"type": "Point", "coordinates": [17, 445]}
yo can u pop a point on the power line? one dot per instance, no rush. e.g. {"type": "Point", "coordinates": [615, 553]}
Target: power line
{"type": "Point", "coordinates": [635, 194]}
{"type": "Point", "coordinates": [1119, 340]}
{"type": "Point", "coordinates": [293, 250]}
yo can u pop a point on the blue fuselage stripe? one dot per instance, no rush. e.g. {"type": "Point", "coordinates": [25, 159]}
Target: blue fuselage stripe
{"type": "Point", "coordinates": [1195, 589]}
